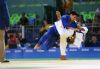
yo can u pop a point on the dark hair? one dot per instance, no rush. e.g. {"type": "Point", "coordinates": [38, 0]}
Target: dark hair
{"type": "Point", "coordinates": [11, 36]}
{"type": "Point", "coordinates": [74, 13]}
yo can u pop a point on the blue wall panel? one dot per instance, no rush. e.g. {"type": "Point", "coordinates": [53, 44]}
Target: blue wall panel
{"type": "Point", "coordinates": [54, 53]}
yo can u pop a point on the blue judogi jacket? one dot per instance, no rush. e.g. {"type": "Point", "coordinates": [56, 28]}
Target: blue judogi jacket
{"type": "Point", "coordinates": [66, 22]}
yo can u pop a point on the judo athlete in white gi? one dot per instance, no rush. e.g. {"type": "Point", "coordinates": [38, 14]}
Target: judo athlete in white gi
{"type": "Point", "coordinates": [79, 38]}
{"type": "Point", "coordinates": [63, 28]}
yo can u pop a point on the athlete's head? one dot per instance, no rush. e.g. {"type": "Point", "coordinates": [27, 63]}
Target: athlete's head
{"type": "Point", "coordinates": [73, 15]}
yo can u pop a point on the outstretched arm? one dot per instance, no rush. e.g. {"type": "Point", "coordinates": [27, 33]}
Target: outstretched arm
{"type": "Point", "coordinates": [58, 14]}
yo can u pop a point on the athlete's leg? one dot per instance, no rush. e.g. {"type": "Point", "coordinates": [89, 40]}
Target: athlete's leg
{"type": "Point", "coordinates": [63, 42]}
{"type": "Point", "coordinates": [50, 42]}
{"type": "Point", "coordinates": [44, 38]}
{"type": "Point", "coordinates": [2, 46]}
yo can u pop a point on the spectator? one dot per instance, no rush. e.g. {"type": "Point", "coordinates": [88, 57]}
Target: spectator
{"type": "Point", "coordinates": [81, 19]}
{"type": "Point", "coordinates": [93, 42]}
{"type": "Point", "coordinates": [13, 41]}
{"type": "Point", "coordinates": [96, 21]}
{"type": "Point", "coordinates": [88, 20]}
{"type": "Point", "coordinates": [44, 27]}
{"type": "Point", "coordinates": [97, 16]}
{"type": "Point", "coordinates": [23, 20]}
{"type": "Point", "coordinates": [67, 6]}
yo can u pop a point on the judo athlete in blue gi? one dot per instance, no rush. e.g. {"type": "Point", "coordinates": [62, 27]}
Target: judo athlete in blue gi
{"type": "Point", "coordinates": [62, 29]}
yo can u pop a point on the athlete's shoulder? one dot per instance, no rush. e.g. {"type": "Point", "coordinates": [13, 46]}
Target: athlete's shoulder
{"type": "Point", "coordinates": [65, 17]}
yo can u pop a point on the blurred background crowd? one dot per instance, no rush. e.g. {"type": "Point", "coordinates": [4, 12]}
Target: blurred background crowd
{"type": "Point", "coordinates": [30, 19]}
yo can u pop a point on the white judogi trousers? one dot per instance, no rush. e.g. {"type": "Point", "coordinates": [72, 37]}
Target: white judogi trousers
{"type": "Point", "coordinates": [63, 40]}
{"type": "Point", "coordinates": [64, 34]}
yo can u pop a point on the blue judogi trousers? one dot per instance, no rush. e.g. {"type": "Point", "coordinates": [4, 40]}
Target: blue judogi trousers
{"type": "Point", "coordinates": [49, 38]}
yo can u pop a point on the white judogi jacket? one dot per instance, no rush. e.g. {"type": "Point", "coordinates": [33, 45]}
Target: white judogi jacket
{"type": "Point", "coordinates": [80, 37]}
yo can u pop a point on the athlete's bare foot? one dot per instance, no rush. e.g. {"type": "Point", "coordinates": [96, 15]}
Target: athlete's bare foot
{"type": "Point", "coordinates": [37, 46]}
{"type": "Point", "coordinates": [63, 57]}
